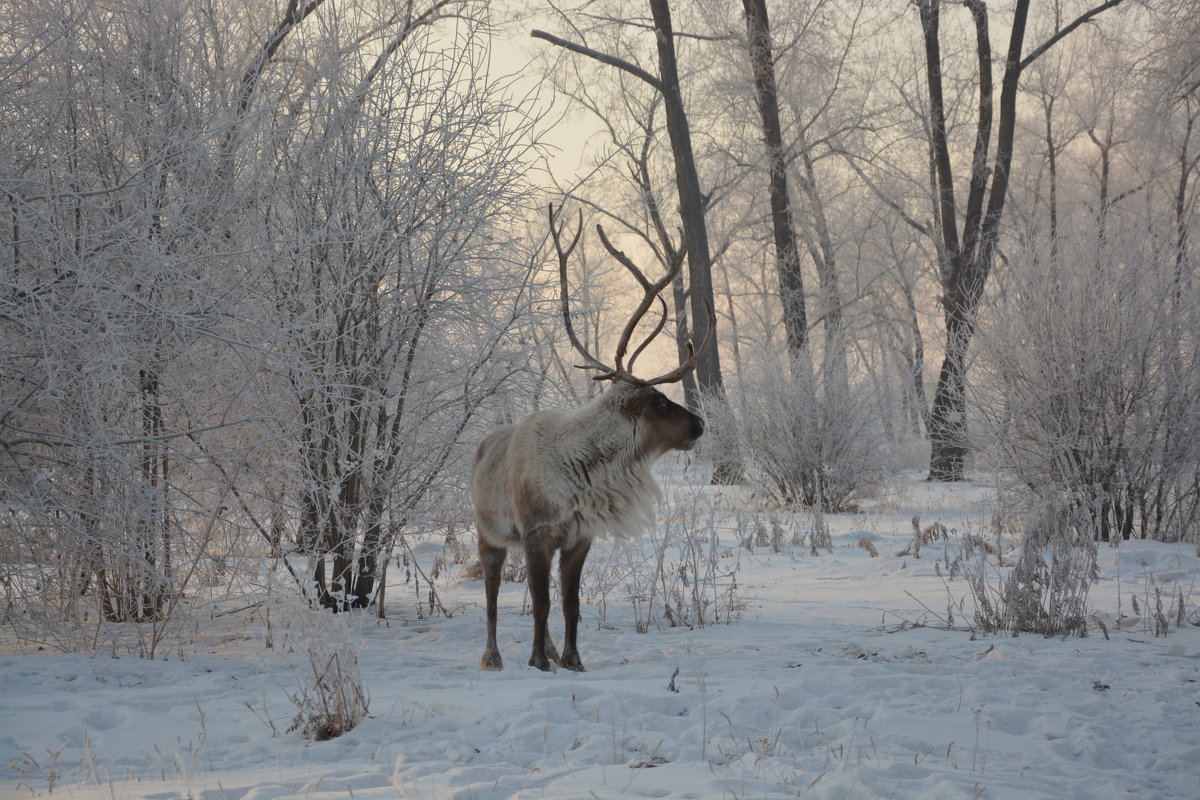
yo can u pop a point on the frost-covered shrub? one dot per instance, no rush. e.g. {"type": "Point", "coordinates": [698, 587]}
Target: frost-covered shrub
{"type": "Point", "coordinates": [1047, 590]}
{"type": "Point", "coordinates": [1089, 383]}
{"type": "Point", "coordinates": [803, 441]}
{"type": "Point", "coordinates": [331, 699]}
{"type": "Point", "coordinates": [90, 563]}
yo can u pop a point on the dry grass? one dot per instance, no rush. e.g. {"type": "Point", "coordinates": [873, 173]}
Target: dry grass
{"type": "Point", "coordinates": [333, 700]}
{"type": "Point", "coordinates": [1045, 591]}
{"type": "Point", "coordinates": [921, 537]}
{"type": "Point", "coordinates": [864, 543]}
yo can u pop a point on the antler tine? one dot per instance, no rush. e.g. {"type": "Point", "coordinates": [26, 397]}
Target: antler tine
{"type": "Point", "coordinates": [607, 372]}
{"type": "Point", "coordinates": [676, 260]}
{"type": "Point", "coordinates": [624, 259]}
{"type": "Point", "coordinates": [690, 364]}
{"type": "Point", "coordinates": [650, 293]}
{"type": "Point", "coordinates": [662, 321]}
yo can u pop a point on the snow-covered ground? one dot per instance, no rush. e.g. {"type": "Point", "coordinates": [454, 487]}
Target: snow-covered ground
{"type": "Point", "coordinates": [840, 680]}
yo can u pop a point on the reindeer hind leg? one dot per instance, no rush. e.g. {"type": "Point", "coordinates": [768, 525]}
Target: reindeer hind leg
{"type": "Point", "coordinates": [492, 560]}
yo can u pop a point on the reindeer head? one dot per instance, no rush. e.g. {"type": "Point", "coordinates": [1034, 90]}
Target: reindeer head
{"type": "Point", "coordinates": [663, 424]}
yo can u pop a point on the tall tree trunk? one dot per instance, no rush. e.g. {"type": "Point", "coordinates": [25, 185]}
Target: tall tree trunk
{"type": "Point", "coordinates": [916, 360]}
{"type": "Point", "coordinates": [1104, 203]}
{"type": "Point", "coordinates": [1187, 165]}
{"type": "Point", "coordinates": [149, 571]}
{"type": "Point", "coordinates": [787, 251]}
{"type": "Point", "coordinates": [679, 300]}
{"type": "Point", "coordinates": [692, 205]}
{"type": "Point", "coordinates": [834, 373]}
{"type": "Point", "coordinates": [691, 202]}
{"type": "Point", "coordinates": [947, 418]}
{"type": "Point", "coordinates": [1052, 166]}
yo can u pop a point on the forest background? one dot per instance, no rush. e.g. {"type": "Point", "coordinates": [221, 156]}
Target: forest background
{"type": "Point", "coordinates": [270, 269]}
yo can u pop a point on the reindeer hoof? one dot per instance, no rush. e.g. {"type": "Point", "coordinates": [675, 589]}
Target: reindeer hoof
{"type": "Point", "coordinates": [572, 662]}
{"type": "Point", "coordinates": [540, 661]}
{"type": "Point", "coordinates": [491, 662]}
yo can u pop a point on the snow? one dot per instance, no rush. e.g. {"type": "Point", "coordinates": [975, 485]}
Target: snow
{"type": "Point", "coordinates": [840, 680]}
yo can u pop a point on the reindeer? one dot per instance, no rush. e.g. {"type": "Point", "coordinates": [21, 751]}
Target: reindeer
{"type": "Point", "coordinates": [562, 478]}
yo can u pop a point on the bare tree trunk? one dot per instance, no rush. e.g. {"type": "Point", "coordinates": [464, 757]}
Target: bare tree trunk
{"type": "Point", "coordinates": [1187, 166]}
{"type": "Point", "coordinates": [915, 360]}
{"type": "Point", "coordinates": [735, 342]}
{"type": "Point", "coordinates": [691, 202]}
{"type": "Point", "coordinates": [1104, 203]}
{"type": "Point", "coordinates": [787, 251]}
{"type": "Point", "coordinates": [834, 372]}
{"type": "Point", "coordinates": [691, 392]}
{"type": "Point", "coordinates": [1052, 166]}
{"type": "Point", "coordinates": [947, 418]}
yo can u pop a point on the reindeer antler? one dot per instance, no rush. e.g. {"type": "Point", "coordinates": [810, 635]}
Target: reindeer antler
{"type": "Point", "coordinates": [651, 291]}
{"type": "Point", "coordinates": [556, 235]}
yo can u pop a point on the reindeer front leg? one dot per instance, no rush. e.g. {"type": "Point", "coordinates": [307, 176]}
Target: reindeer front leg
{"type": "Point", "coordinates": [570, 567]}
{"type": "Point", "coordinates": [537, 563]}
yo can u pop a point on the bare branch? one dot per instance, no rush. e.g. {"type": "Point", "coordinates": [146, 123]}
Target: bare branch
{"type": "Point", "coordinates": [907, 218]}
{"type": "Point", "coordinates": [1085, 17]}
{"type": "Point", "coordinates": [603, 58]}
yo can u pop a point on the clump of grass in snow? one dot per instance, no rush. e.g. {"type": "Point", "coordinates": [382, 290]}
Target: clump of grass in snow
{"type": "Point", "coordinates": [680, 574]}
{"type": "Point", "coordinates": [331, 698]}
{"type": "Point", "coordinates": [921, 537]}
{"type": "Point", "coordinates": [1045, 591]}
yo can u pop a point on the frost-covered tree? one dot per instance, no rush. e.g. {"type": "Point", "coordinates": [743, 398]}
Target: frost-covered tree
{"type": "Point", "coordinates": [260, 268]}
{"type": "Point", "coordinates": [391, 196]}
{"type": "Point", "coordinates": [969, 233]}
{"type": "Point", "coordinates": [116, 291]}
